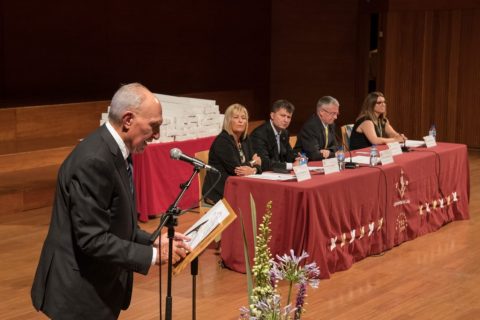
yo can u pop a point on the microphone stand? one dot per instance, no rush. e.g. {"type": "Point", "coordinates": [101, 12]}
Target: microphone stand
{"type": "Point", "coordinates": [404, 147]}
{"type": "Point", "coordinates": [350, 164]}
{"type": "Point", "coordinates": [169, 219]}
{"type": "Point", "coordinates": [194, 273]}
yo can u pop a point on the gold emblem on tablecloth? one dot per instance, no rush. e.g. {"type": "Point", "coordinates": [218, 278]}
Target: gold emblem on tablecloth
{"type": "Point", "coordinates": [401, 186]}
{"type": "Point", "coordinates": [401, 223]}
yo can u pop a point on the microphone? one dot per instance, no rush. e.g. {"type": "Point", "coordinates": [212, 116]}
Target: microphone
{"type": "Point", "coordinates": [177, 154]}
{"type": "Point", "coordinates": [404, 147]}
{"type": "Point", "coordinates": [350, 164]}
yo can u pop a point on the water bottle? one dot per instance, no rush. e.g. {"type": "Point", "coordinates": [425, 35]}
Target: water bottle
{"type": "Point", "coordinates": [433, 132]}
{"type": "Point", "coordinates": [373, 156]}
{"type": "Point", "coordinates": [303, 158]}
{"type": "Point", "coordinates": [341, 158]}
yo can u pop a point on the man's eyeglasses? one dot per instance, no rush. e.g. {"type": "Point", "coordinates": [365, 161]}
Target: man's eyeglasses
{"type": "Point", "coordinates": [331, 114]}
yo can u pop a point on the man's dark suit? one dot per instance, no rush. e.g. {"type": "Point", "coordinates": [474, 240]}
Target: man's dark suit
{"type": "Point", "coordinates": [311, 139]}
{"type": "Point", "coordinates": [264, 143]}
{"type": "Point", "coordinates": [93, 244]}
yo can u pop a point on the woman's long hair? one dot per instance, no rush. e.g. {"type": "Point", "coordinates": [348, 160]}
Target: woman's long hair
{"type": "Point", "coordinates": [234, 108]}
{"type": "Point", "coordinates": [368, 108]}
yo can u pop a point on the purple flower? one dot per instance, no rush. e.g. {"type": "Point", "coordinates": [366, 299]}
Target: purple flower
{"type": "Point", "coordinates": [302, 291]}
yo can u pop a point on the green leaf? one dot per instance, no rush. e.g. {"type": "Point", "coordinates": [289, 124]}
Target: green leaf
{"type": "Point", "coordinates": [247, 262]}
{"type": "Point", "coordinates": [254, 220]}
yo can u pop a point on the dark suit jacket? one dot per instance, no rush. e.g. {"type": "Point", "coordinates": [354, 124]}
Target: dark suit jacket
{"type": "Point", "coordinates": [264, 144]}
{"type": "Point", "coordinates": [311, 139]}
{"type": "Point", "coordinates": [224, 156]}
{"type": "Point", "coordinates": [93, 245]}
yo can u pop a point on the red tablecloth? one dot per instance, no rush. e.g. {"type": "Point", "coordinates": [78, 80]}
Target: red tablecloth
{"type": "Point", "coordinates": [158, 177]}
{"type": "Point", "coordinates": [344, 217]}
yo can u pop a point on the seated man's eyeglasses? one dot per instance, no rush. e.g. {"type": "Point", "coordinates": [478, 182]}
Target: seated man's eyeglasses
{"type": "Point", "coordinates": [331, 114]}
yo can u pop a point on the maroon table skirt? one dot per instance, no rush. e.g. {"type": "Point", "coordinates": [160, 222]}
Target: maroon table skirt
{"type": "Point", "coordinates": [344, 217]}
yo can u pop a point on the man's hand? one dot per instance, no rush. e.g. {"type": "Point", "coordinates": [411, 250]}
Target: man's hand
{"type": "Point", "coordinates": [245, 171]}
{"type": "Point", "coordinates": [325, 153]}
{"type": "Point", "coordinates": [256, 160]}
{"type": "Point", "coordinates": [180, 248]}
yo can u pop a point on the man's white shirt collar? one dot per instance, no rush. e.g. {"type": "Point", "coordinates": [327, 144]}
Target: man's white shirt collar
{"type": "Point", "coordinates": [118, 140]}
{"type": "Point", "coordinates": [274, 130]}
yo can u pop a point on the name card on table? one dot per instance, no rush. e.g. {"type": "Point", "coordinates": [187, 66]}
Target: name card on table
{"type": "Point", "coordinates": [302, 173]}
{"type": "Point", "coordinates": [395, 148]}
{"type": "Point", "coordinates": [386, 157]}
{"type": "Point", "coordinates": [330, 165]}
{"type": "Point", "coordinates": [429, 141]}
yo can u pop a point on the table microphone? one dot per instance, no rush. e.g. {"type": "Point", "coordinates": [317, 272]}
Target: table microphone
{"type": "Point", "coordinates": [351, 164]}
{"type": "Point", "coordinates": [177, 154]}
{"type": "Point", "coordinates": [404, 147]}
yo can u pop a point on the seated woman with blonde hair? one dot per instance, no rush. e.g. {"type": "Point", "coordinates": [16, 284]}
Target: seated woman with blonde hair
{"type": "Point", "coordinates": [231, 153]}
{"type": "Point", "coordinates": [372, 125]}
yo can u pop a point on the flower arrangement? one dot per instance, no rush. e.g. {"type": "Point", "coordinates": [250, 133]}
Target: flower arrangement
{"type": "Point", "coordinates": [263, 278]}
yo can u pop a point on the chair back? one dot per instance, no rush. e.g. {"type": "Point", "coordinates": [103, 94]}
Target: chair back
{"type": "Point", "coordinates": [203, 156]}
{"type": "Point", "coordinates": [292, 141]}
{"type": "Point", "coordinates": [346, 132]}
{"type": "Point", "coordinates": [252, 125]}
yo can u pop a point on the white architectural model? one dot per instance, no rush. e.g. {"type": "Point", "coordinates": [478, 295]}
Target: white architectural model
{"type": "Point", "coordinates": [186, 118]}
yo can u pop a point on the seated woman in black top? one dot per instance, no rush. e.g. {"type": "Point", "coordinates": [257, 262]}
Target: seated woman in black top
{"type": "Point", "coordinates": [372, 125]}
{"type": "Point", "coordinates": [231, 153]}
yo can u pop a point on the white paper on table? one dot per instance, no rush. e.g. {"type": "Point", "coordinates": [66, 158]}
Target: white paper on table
{"type": "Point", "coordinates": [270, 175]}
{"type": "Point", "coordinates": [414, 143]}
{"type": "Point", "coordinates": [359, 159]}
{"type": "Point", "coordinates": [319, 169]}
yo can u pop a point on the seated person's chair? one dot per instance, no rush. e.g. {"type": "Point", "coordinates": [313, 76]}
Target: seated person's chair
{"type": "Point", "coordinates": [202, 206]}
{"type": "Point", "coordinates": [203, 156]}
{"type": "Point", "coordinates": [346, 132]}
{"type": "Point", "coordinates": [293, 141]}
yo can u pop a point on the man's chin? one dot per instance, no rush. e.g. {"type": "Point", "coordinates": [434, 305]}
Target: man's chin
{"type": "Point", "coordinates": [140, 148]}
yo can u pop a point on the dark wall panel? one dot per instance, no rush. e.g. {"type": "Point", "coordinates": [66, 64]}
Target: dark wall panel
{"type": "Point", "coordinates": [432, 71]}
{"type": "Point", "coordinates": [315, 53]}
{"type": "Point", "coordinates": [59, 51]}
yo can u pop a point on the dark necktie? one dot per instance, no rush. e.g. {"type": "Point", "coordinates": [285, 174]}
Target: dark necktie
{"type": "Point", "coordinates": [277, 136]}
{"type": "Point", "coordinates": [130, 172]}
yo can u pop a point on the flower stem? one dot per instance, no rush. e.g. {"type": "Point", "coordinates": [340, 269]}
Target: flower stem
{"type": "Point", "coordinates": [289, 292]}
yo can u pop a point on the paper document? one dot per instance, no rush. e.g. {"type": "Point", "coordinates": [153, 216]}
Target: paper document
{"type": "Point", "coordinates": [415, 143]}
{"type": "Point", "coordinates": [270, 175]}
{"type": "Point", "coordinates": [359, 159]}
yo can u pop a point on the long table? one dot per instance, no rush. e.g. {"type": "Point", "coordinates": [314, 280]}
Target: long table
{"type": "Point", "coordinates": [341, 218]}
{"type": "Point", "coordinates": [158, 177]}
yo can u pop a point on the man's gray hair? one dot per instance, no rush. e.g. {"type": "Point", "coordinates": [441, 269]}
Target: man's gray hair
{"type": "Point", "coordinates": [327, 100]}
{"type": "Point", "coordinates": [128, 97]}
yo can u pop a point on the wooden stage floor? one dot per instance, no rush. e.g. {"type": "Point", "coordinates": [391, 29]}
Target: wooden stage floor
{"type": "Point", "coordinates": [436, 276]}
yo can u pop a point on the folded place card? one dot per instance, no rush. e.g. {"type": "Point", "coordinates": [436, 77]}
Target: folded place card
{"type": "Point", "coordinates": [429, 141]}
{"type": "Point", "coordinates": [386, 157]}
{"type": "Point", "coordinates": [330, 165]}
{"type": "Point", "coordinates": [395, 148]}
{"type": "Point", "coordinates": [302, 173]}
